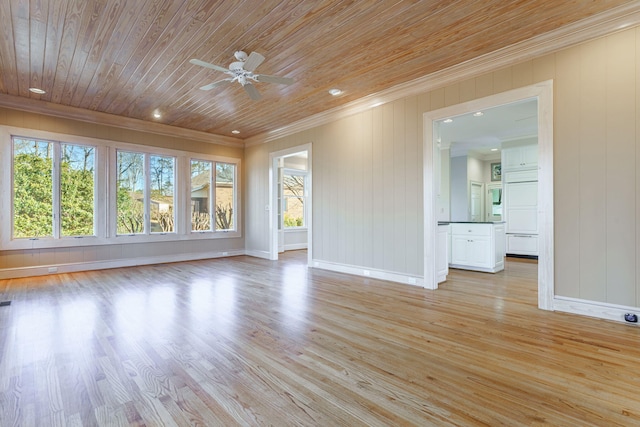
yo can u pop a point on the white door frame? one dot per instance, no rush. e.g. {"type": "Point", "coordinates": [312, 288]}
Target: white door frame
{"type": "Point", "coordinates": [273, 199]}
{"type": "Point", "coordinates": [544, 93]}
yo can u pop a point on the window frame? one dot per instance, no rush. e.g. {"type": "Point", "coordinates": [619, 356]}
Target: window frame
{"type": "Point", "coordinates": [105, 183]}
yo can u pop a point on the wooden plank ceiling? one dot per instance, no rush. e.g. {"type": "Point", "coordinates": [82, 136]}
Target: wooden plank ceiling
{"type": "Point", "coordinates": [131, 58]}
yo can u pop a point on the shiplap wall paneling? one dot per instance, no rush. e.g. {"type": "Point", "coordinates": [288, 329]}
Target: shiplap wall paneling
{"type": "Point", "coordinates": [413, 185]}
{"type": "Point", "coordinates": [398, 193]}
{"type": "Point", "coordinates": [523, 74]}
{"type": "Point", "coordinates": [590, 146]}
{"type": "Point", "coordinates": [621, 221]}
{"type": "Point", "coordinates": [368, 189]}
{"type": "Point", "coordinates": [566, 173]}
{"type": "Point", "coordinates": [388, 209]}
{"type": "Point", "coordinates": [379, 200]}
{"type": "Point", "coordinates": [256, 196]}
{"type": "Point", "coordinates": [356, 176]}
{"type": "Point", "coordinates": [348, 212]}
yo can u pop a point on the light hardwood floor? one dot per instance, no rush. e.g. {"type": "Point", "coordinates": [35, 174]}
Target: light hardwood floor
{"type": "Point", "coordinates": [246, 341]}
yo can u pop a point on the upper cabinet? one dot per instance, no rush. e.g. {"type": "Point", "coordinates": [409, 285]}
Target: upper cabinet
{"type": "Point", "coordinates": [520, 157]}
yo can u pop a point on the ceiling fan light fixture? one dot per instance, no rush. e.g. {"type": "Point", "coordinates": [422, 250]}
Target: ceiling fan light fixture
{"type": "Point", "coordinates": [335, 92]}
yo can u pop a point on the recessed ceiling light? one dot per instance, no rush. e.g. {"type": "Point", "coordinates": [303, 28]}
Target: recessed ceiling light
{"type": "Point", "coordinates": [478, 114]}
{"type": "Point", "coordinates": [37, 90]}
{"type": "Point", "coordinates": [235, 132]}
{"type": "Point", "coordinates": [335, 92]}
{"type": "Point", "coordinates": [448, 120]}
{"type": "Point", "coordinates": [156, 114]}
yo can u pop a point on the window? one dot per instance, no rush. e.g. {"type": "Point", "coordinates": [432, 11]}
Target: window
{"type": "Point", "coordinates": [162, 177]}
{"type": "Point", "coordinates": [207, 198]}
{"type": "Point", "coordinates": [145, 193]}
{"type": "Point", "coordinates": [293, 198]}
{"type": "Point", "coordinates": [59, 190]}
{"type": "Point", "coordinates": [130, 193]}
{"type": "Point", "coordinates": [53, 189]}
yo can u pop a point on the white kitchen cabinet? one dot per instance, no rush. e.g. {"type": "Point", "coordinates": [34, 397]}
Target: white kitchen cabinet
{"type": "Point", "coordinates": [522, 244]}
{"type": "Point", "coordinates": [478, 246]}
{"type": "Point", "coordinates": [521, 157]}
{"type": "Point", "coordinates": [521, 207]}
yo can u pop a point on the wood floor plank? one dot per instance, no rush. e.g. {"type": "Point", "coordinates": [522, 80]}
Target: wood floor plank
{"type": "Point", "coordinates": [245, 341]}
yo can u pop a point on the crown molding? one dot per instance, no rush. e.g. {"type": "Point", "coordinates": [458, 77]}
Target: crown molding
{"type": "Point", "coordinates": [613, 20]}
{"type": "Point", "coordinates": [96, 117]}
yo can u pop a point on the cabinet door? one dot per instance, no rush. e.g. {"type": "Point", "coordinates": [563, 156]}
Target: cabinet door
{"type": "Point", "coordinates": [479, 251]}
{"type": "Point", "coordinates": [525, 156]}
{"type": "Point", "coordinates": [529, 155]}
{"type": "Point", "coordinates": [459, 250]}
{"type": "Point", "coordinates": [472, 251]}
{"type": "Point", "coordinates": [511, 158]}
{"type": "Point", "coordinates": [521, 207]}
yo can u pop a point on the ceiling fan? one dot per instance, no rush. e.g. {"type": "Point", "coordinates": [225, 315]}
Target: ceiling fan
{"type": "Point", "coordinates": [242, 71]}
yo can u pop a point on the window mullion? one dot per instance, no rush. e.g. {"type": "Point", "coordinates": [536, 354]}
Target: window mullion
{"type": "Point", "coordinates": [147, 194]}
{"type": "Point", "coordinates": [212, 197]}
{"type": "Point", "coordinates": [55, 188]}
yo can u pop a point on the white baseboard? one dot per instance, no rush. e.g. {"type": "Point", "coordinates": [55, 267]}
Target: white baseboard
{"type": "Point", "coordinates": [369, 272]}
{"type": "Point", "coordinates": [295, 246]}
{"type": "Point", "coordinates": [594, 309]}
{"type": "Point", "coordinates": [258, 254]}
{"type": "Point", "coordinates": [13, 273]}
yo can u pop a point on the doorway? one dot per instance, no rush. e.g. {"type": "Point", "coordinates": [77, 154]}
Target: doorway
{"type": "Point", "coordinates": [476, 201]}
{"type": "Point", "coordinates": [543, 92]}
{"type": "Point", "coordinates": [290, 201]}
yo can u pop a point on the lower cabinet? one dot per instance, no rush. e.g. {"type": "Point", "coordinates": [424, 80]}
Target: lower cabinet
{"type": "Point", "coordinates": [522, 244]}
{"type": "Point", "coordinates": [477, 246]}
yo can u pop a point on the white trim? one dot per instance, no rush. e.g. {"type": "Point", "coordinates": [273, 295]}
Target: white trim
{"type": "Point", "coordinates": [258, 254]}
{"type": "Point", "coordinates": [273, 202]}
{"type": "Point", "coordinates": [544, 93]}
{"type": "Point", "coordinates": [594, 309]}
{"type": "Point", "coordinates": [372, 273]}
{"type": "Point", "coordinates": [295, 246]}
{"type": "Point", "coordinates": [610, 21]}
{"type": "Point", "coordinates": [42, 270]}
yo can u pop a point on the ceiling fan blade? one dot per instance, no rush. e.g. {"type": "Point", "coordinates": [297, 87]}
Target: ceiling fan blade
{"type": "Point", "coordinates": [252, 91]}
{"type": "Point", "coordinates": [207, 65]}
{"type": "Point", "coordinates": [215, 84]}
{"type": "Point", "coordinates": [253, 61]}
{"type": "Point", "coordinates": [274, 79]}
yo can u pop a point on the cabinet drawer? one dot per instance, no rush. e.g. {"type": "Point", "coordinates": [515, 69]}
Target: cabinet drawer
{"type": "Point", "coordinates": [521, 176]}
{"type": "Point", "coordinates": [471, 229]}
{"type": "Point", "coordinates": [522, 244]}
